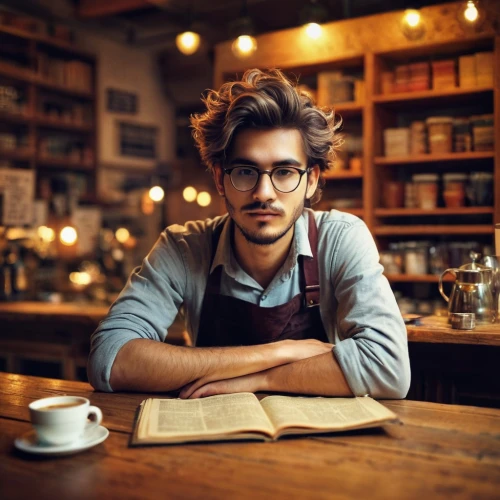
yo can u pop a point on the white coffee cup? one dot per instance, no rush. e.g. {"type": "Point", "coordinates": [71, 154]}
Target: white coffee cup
{"type": "Point", "coordinates": [63, 419]}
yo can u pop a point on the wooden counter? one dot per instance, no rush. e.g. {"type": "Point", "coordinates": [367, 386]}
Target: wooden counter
{"type": "Point", "coordinates": [438, 451]}
{"type": "Point", "coordinates": [48, 339]}
{"type": "Point", "coordinates": [436, 329]}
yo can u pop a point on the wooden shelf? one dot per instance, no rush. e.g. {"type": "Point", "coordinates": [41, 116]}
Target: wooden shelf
{"type": "Point", "coordinates": [54, 123]}
{"type": "Point", "coordinates": [465, 229]}
{"type": "Point", "coordinates": [82, 94]}
{"type": "Point", "coordinates": [406, 212]}
{"type": "Point", "coordinates": [15, 118]}
{"type": "Point", "coordinates": [431, 95]}
{"type": "Point", "coordinates": [17, 73]}
{"type": "Point", "coordinates": [348, 109]}
{"type": "Point", "coordinates": [49, 41]}
{"type": "Point", "coordinates": [428, 158]}
{"type": "Point", "coordinates": [417, 278]}
{"type": "Point", "coordinates": [342, 174]}
{"type": "Point", "coordinates": [17, 154]}
{"type": "Point", "coordinates": [64, 164]}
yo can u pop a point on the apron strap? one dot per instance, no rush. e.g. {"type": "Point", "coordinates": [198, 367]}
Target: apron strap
{"type": "Point", "coordinates": [310, 266]}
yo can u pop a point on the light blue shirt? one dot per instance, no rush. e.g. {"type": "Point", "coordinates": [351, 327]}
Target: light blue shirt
{"type": "Point", "coordinates": [357, 306]}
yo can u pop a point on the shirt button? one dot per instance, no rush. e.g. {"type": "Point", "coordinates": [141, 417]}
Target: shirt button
{"type": "Point", "coordinates": [264, 297]}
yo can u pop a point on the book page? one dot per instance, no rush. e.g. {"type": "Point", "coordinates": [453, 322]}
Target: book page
{"type": "Point", "coordinates": [228, 413]}
{"type": "Point", "coordinates": [324, 413]}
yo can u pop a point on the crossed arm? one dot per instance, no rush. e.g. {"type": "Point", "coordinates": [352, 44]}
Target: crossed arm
{"type": "Point", "coordinates": [303, 366]}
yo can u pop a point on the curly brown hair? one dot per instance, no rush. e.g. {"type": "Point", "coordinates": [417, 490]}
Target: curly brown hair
{"type": "Point", "coordinates": [262, 100]}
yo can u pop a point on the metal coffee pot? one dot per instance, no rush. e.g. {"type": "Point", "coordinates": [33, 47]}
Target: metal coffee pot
{"type": "Point", "coordinates": [493, 262]}
{"type": "Point", "coordinates": [471, 293]}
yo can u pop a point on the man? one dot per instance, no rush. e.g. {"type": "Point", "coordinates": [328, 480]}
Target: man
{"type": "Point", "coordinates": [276, 297]}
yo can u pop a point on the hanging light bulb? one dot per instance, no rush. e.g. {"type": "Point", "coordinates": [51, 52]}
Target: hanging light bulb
{"type": "Point", "coordinates": [203, 199]}
{"type": "Point", "coordinates": [244, 46]}
{"type": "Point", "coordinates": [189, 194]}
{"type": "Point", "coordinates": [187, 42]}
{"type": "Point", "coordinates": [471, 15]}
{"type": "Point", "coordinates": [242, 29]}
{"type": "Point", "coordinates": [412, 25]}
{"type": "Point", "coordinates": [156, 193]}
{"type": "Point", "coordinates": [311, 16]}
{"type": "Point", "coordinates": [68, 236]}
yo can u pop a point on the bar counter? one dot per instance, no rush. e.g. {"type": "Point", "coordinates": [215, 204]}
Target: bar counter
{"type": "Point", "coordinates": [437, 451]}
{"type": "Point", "coordinates": [448, 366]}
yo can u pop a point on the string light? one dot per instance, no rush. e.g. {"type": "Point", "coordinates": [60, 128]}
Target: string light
{"type": "Point", "coordinates": [204, 199]}
{"type": "Point", "coordinates": [122, 234]}
{"type": "Point", "coordinates": [156, 193]}
{"type": "Point", "coordinates": [244, 46]}
{"type": "Point", "coordinates": [471, 13]}
{"type": "Point", "coordinates": [68, 236]}
{"type": "Point", "coordinates": [187, 42]}
{"type": "Point", "coordinates": [189, 194]}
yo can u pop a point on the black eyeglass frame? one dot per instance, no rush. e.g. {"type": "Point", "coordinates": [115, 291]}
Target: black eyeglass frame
{"type": "Point", "coordinates": [260, 172]}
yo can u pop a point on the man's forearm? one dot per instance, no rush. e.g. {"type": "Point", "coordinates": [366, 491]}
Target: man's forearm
{"type": "Point", "coordinates": [320, 375]}
{"type": "Point", "coordinates": [147, 365]}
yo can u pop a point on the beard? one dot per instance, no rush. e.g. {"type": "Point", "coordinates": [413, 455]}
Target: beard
{"type": "Point", "coordinates": [256, 237]}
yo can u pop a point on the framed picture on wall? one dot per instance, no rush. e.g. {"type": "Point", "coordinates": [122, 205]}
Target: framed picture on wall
{"type": "Point", "coordinates": [121, 101]}
{"type": "Point", "coordinates": [137, 141]}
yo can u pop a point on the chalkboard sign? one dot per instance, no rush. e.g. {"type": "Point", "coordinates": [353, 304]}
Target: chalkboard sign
{"type": "Point", "coordinates": [120, 101]}
{"type": "Point", "coordinates": [138, 141]}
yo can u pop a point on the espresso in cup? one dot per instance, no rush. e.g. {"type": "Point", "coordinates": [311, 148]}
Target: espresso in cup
{"type": "Point", "coordinates": [62, 420]}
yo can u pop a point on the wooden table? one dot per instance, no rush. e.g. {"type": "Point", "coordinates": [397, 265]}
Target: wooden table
{"type": "Point", "coordinates": [439, 451]}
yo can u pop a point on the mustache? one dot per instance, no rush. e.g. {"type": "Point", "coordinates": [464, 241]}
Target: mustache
{"type": "Point", "coordinates": [257, 205]}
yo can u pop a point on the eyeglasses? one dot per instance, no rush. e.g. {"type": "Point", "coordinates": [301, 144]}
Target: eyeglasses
{"type": "Point", "coordinates": [284, 179]}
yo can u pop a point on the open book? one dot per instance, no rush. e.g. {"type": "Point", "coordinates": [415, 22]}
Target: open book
{"type": "Point", "coordinates": [242, 416]}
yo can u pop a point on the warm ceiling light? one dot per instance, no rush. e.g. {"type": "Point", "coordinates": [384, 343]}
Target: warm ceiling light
{"type": "Point", "coordinates": [412, 25]}
{"type": "Point", "coordinates": [203, 199]}
{"type": "Point", "coordinates": [244, 46]}
{"type": "Point", "coordinates": [122, 234]}
{"type": "Point", "coordinates": [187, 42]}
{"type": "Point", "coordinates": [313, 30]}
{"type": "Point", "coordinates": [80, 278]}
{"type": "Point", "coordinates": [156, 193]}
{"type": "Point", "coordinates": [242, 30]}
{"type": "Point", "coordinates": [46, 234]}
{"type": "Point", "coordinates": [68, 236]}
{"type": "Point", "coordinates": [189, 194]}
{"type": "Point", "coordinates": [471, 13]}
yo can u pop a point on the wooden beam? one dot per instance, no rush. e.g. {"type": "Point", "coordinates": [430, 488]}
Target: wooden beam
{"type": "Point", "coordinates": [98, 8]}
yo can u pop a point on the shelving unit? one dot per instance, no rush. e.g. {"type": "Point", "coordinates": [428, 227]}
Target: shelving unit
{"type": "Point", "coordinates": [379, 45]}
{"type": "Point", "coordinates": [52, 117]}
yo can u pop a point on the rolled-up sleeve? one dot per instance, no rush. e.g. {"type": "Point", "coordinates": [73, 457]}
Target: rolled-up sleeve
{"type": "Point", "coordinates": [145, 309]}
{"type": "Point", "coordinates": [373, 347]}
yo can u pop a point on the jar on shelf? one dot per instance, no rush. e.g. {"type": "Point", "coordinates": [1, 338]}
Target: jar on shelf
{"type": "Point", "coordinates": [454, 189]}
{"type": "Point", "coordinates": [418, 138]}
{"type": "Point", "coordinates": [462, 138]}
{"type": "Point", "coordinates": [426, 190]}
{"type": "Point", "coordinates": [483, 133]}
{"type": "Point", "coordinates": [393, 194]}
{"type": "Point", "coordinates": [480, 189]}
{"type": "Point", "coordinates": [416, 257]}
{"type": "Point", "coordinates": [440, 129]}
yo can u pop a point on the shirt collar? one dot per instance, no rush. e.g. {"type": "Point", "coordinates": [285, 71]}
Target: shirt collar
{"type": "Point", "coordinates": [224, 255]}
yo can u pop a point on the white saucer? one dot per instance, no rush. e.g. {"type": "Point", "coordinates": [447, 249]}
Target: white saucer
{"type": "Point", "coordinates": [29, 443]}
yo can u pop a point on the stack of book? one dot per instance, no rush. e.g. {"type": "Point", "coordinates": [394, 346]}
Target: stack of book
{"type": "Point", "coordinates": [444, 75]}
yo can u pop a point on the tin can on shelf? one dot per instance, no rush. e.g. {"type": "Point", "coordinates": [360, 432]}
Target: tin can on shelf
{"type": "Point", "coordinates": [426, 190]}
{"type": "Point", "coordinates": [440, 130]}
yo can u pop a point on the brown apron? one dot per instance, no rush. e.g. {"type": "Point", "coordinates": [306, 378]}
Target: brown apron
{"type": "Point", "coordinates": [228, 321]}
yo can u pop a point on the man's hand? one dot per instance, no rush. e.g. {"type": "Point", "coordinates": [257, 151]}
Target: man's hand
{"type": "Point", "coordinates": [253, 382]}
{"type": "Point", "coordinates": [292, 351]}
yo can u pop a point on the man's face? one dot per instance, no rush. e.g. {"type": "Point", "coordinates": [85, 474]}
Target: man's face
{"type": "Point", "coordinates": [264, 215]}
